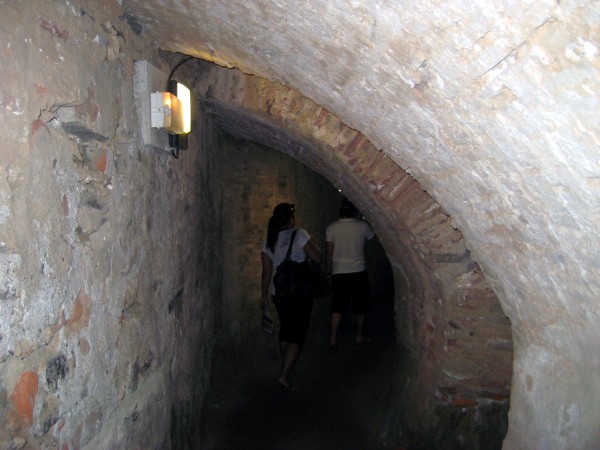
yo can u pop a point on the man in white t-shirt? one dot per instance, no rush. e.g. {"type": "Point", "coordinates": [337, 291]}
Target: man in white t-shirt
{"type": "Point", "coordinates": [346, 263]}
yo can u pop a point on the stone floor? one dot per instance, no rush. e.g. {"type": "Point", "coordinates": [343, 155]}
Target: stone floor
{"type": "Point", "coordinates": [339, 403]}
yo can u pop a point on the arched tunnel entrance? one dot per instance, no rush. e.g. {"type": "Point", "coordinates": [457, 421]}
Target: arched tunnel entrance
{"type": "Point", "coordinates": [454, 380]}
{"type": "Point", "coordinates": [341, 397]}
{"type": "Point", "coordinates": [115, 310]}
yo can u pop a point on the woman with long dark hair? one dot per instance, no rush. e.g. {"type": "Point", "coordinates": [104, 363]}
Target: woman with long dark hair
{"type": "Point", "coordinates": [294, 314]}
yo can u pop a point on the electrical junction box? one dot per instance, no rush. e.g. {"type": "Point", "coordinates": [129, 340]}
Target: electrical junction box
{"type": "Point", "coordinates": [167, 112]}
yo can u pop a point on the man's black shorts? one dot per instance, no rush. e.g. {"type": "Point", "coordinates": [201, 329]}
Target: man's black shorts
{"type": "Point", "coordinates": [351, 288]}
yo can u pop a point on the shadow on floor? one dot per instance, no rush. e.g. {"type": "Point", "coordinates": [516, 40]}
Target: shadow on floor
{"type": "Point", "coordinates": [339, 403]}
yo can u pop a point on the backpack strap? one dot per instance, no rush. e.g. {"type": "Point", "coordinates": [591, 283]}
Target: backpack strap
{"type": "Point", "coordinates": [289, 250]}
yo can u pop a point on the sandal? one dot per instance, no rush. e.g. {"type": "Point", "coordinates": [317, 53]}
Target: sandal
{"type": "Point", "coordinates": [283, 387]}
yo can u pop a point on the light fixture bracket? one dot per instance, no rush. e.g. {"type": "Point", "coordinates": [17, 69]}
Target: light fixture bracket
{"type": "Point", "coordinates": [164, 110]}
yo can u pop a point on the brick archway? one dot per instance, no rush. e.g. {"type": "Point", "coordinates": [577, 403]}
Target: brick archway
{"type": "Point", "coordinates": [448, 317]}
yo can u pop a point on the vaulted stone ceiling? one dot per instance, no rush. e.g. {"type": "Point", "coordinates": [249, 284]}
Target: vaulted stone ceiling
{"type": "Point", "coordinates": [492, 106]}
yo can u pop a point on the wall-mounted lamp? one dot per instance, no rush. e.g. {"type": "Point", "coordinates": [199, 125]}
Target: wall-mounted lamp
{"type": "Point", "coordinates": [171, 112]}
{"type": "Point", "coordinates": [164, 109]}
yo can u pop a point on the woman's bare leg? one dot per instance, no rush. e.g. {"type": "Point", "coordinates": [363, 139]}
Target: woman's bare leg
{"type": "Point", "coordinates": [289, 353]}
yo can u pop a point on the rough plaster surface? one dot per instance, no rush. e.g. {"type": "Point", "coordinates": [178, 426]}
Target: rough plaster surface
{"type": "Point", "coordinates": [100, 317]}
{"type": "Point", "coordinates": [493, 107]}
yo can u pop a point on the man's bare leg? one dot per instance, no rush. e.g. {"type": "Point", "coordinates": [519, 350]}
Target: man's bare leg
{"type": "Point", "coordinates": [335, 325]}
{"type": "Point", "coordinates": [360, 327]}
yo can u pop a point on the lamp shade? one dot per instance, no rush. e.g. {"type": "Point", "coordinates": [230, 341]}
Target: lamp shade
{"type": "Point", "coordinates": [184, 97]}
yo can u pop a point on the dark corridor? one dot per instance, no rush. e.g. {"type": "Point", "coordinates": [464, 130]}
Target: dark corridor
{"type": "Point", "coordinates": [339, 401]}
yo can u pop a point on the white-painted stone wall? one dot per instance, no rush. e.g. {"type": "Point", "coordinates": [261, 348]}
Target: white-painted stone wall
{"type": "Point", "coordinates": [105, 289]}
{"type": "Point", "coordinates": [494, 108]}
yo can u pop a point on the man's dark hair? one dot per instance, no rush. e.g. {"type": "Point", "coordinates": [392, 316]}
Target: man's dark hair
{"type": "Point", "coordinates": [347, 210]}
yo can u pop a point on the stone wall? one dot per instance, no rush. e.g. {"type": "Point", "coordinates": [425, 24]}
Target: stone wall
{"type": "Point", "coordinates": [109, 251]}
{"type": "Point", "coordinates": [110, 297]}
{"type": "Point", "coordinates": [493, 107]}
